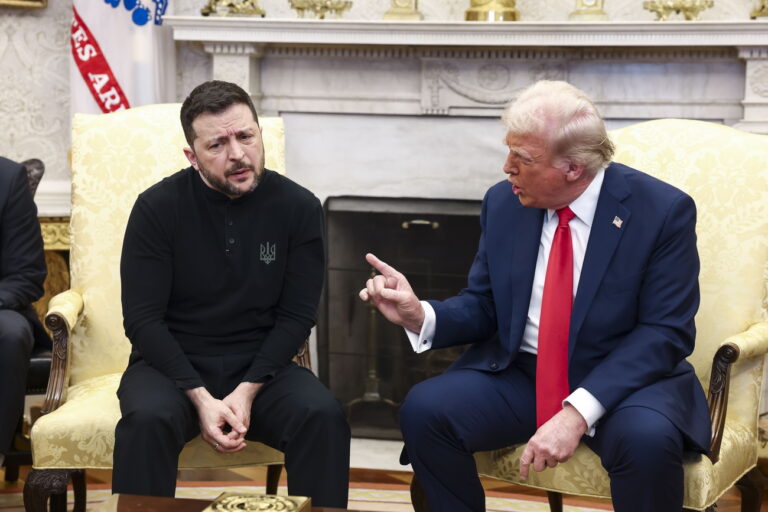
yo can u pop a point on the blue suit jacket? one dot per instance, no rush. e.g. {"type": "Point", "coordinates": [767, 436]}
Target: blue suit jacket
{"type": "Point", "coordinates": [632, 322]}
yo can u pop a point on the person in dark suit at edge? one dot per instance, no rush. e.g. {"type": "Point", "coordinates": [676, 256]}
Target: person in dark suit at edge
{"type": "Point", "coordinates": [22, 273]}
{"type": "Point", "coordinates": [579, 310]}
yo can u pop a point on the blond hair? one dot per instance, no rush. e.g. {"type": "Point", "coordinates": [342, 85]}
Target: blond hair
{"type": "Point", "coordinates": [566, 119]}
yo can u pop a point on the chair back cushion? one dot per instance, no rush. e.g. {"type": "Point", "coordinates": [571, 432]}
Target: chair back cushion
{"type": "Point", "coordinates": [114, 158]}
{"type": "Point", "coordinates": [726, 172]}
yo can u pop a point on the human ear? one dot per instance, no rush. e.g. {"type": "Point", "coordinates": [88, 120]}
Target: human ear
{"type": "Point", "coordinates": [574, 171]}
{"type": "Point", "coordinates": [192, 157]}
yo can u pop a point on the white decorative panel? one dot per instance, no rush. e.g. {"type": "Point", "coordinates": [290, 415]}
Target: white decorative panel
{"type": "Point", "coordinates": [193, 66]}
{"type": "Point", "coordinates": [461, 85]}
{"type": "Point", "coordinates": [34, 88]}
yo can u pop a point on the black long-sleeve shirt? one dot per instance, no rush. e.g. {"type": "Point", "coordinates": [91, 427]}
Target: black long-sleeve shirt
{"type": "Point", "coordinates": [204, 274]}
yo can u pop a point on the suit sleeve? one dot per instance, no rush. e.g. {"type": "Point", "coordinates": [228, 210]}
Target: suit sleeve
{"type": "Point", "coordinates": [297, 306]}
{"type": "Point", "coordinates": [470, 315]}
{"type": "Point", "coordinates": [665, 332]}
{"type": "Point", "coordinates": [22, 261]}
{"type": "Point", "coordinates": [146, 272]}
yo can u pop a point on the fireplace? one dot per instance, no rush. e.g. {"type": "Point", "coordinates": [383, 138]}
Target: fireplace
{"type": "Point", "coordinates": [366, 361]}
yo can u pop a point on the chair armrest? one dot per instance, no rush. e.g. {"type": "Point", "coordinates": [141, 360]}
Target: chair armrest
{"type": "Point", "coordinates": [64, 310]}
{"type": "Point", "coordinates": [751, 343]}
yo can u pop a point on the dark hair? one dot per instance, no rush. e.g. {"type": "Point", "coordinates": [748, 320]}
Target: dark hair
{"type": "Point", "coordinates": [213, 96]}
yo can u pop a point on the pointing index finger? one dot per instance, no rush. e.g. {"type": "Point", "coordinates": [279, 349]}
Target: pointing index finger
{"type": "Point", "coordinates": [379, 265]}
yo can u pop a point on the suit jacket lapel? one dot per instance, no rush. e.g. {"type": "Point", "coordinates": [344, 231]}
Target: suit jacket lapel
{"type": "Point", "coordinates": [603, 239]}
{"type": "Point", "coordinates": [525, 250]}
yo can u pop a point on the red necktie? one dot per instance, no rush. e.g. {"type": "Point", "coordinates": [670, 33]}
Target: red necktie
{"type": "Point", "coordinates": [556, 303]}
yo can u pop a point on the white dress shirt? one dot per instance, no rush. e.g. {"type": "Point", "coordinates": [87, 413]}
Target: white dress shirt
{"type": "Point", "coordinates": [584, 207]}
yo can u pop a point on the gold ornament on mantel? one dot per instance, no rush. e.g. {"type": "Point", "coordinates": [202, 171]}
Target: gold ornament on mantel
{"type": "Point", "coordinates": [689, 8]}
{"type": "Point", "coordinates": [320, 7]}
{"type": "Point", "coordinates": [404, 10]}
{"type": "Point", "coordinates": [588, 10]}
{"type": "Point", "coordinates": [492, 10]}
{"type": "Point", "coordinates": [761, 10]}
{"type": "Point", "coordinates": [232, 8]}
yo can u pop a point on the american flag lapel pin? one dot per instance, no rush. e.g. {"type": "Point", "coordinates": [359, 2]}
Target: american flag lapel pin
{"type": "Point", "coordinates": [617, 222]}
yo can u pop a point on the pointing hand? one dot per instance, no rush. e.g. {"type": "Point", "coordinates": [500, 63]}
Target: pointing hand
{"type": "Point", "coordinates": [391, 293]}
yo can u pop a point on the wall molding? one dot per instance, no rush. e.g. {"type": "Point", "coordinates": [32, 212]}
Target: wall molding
{"type": "Point", "coordinates": [389, 33]}
{"type": "Point", "coordinates": [634, 70]}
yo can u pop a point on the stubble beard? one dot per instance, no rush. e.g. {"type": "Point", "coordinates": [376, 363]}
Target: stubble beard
{"type": "Point", "coordinates": [225, 186]}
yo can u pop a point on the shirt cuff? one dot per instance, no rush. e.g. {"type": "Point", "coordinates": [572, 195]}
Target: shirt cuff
{"type": "Point", "coordinates": [588, 406]}
{"type": "Point", "coordinates": [422, 341]}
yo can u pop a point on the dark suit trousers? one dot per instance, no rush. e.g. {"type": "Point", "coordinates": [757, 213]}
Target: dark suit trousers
{"type": "Point", "coordinates": [293, 413]}
{"type": "Point", "coordinates": [447, 418]}
{"type": "Point", "coordinates": [16, 342]}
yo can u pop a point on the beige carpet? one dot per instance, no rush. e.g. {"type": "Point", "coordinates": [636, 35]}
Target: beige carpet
{"type": "Point", "coordinates": [380, 499]}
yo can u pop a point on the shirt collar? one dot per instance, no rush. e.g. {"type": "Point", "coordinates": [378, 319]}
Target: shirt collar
{"type": "Point", "coordinates": [585, 205]}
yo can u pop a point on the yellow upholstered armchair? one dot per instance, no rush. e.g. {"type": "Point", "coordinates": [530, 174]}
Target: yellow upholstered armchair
{"type": "Point", "coordinates": [726, 172]}
{"type": "Point", "coordinates": [114, 158]}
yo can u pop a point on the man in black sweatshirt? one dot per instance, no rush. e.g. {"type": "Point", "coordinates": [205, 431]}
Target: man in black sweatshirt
{"type": "Point", "coordinates": [222, 268]}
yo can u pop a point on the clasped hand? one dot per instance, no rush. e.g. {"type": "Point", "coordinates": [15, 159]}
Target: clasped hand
{"type": "Point", "coordinates": [224, 423]}
{"type": "Point", "coordinates": [393, 296]}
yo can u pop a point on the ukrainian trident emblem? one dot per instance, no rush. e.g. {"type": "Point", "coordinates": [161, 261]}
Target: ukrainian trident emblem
{"type": "Point", "coordinates": [268, 253]}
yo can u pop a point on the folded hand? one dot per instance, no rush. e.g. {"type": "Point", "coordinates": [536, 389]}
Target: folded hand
{"type": "Point", "coordinates": [554, 442]}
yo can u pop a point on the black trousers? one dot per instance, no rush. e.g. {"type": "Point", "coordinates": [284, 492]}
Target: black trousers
{"type": "Point", "coordinates": [293, 413]}
{"type": "Point", "coordinates": [16, 342]}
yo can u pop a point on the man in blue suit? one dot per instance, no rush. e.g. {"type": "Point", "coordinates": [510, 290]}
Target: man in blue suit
{"type": "Point", "coordinates": [606, 365]}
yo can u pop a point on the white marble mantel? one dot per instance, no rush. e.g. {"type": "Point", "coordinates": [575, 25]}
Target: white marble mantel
{"type": "Point", "coordinates": [458, 34]}
{"type": "Point", "coordinates": [634, 70]}
{"type": "Point", "coordinates": [411, 109]}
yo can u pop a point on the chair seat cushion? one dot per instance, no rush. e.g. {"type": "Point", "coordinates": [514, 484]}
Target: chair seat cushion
{"type": "Point", "coordinates": [81, 434]}
{"type": "Point", "coordinates": [583, 474]}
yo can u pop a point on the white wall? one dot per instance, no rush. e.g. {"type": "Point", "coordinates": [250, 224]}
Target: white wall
{"type": "Point", "coordinates": [34, 53]}
{"type": "Point", "coordinates": [34, 85]}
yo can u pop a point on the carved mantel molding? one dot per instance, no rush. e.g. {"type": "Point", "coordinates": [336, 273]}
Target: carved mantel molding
{"type": "Point", "coordinates": [755, 89]}
{"type": "Point", "coordinates": [392, 33]}
{"type": "Point", "coordinates": [55, 231]}
{"type": "Point", "coordinates": [634, 70]}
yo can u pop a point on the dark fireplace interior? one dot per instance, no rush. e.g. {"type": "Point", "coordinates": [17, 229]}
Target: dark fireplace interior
{"type": "Point", "coordinates": [367, 362]}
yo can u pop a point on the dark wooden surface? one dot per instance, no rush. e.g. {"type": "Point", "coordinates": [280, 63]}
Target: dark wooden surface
{"type": "Point", "coordinates": [130, 502]}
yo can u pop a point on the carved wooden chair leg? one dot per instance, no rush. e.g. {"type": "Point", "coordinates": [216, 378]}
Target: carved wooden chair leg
{"type": "Point", "coordinates": [78, 486]}
{"type": "Point", "coordinates": [58, 502]}
{"type": "Point", "coordinates": [751, 487]}
{"type": "Point", "coordinates": [418, 498]}
{"type": "Point", "coordinates": [273, 477]}
{"type": "Point", "coordinates": [555, 501]}
{"type": "Point", "coordinates": [44, 484]}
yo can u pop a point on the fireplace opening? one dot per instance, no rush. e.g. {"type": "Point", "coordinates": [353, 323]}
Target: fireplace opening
{"type": "Point", "coordinates": [364, 360]}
